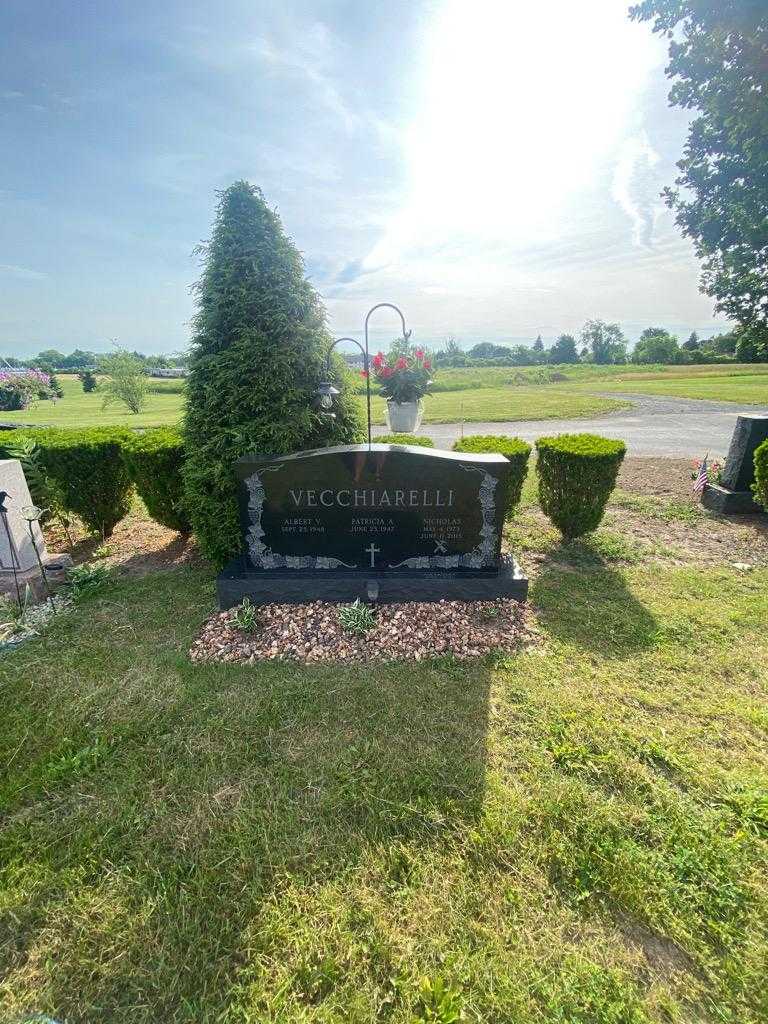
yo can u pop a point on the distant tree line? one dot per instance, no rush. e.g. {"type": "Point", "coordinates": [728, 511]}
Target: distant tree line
{"type": "Point", "coordinates": [51, 360]}
{"type": "Point", "coordinates": [602, 343]}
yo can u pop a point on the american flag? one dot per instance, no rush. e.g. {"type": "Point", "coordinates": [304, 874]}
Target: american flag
{"type": "Point", "coordinates": [703, 478]}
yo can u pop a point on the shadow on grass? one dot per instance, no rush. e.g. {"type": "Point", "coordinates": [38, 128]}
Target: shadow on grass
{"type": "Point", "coordinates": [583, 601]}
{"type": "Point", "coordinates": [222, 793]}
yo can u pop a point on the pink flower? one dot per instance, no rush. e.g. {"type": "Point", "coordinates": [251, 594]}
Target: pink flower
{"type": "Point", "coordinates": [419, 353]}
{"type": "Point", "coordinates": [363, 373]}
{"type": "Point", "coordinates": [401, 363]}
{"type": "Point", "coordinates": [378, 360]}
{"type": "Point", "coordinates": [426, 364]}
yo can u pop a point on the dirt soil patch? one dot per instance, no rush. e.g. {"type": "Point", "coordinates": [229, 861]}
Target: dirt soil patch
{"type": "Point", "coordinates": [668, 478]}
{"type": "Point", "coordinates": [415, 631]}
{"type": "Point", "coordinates": [139, 545]}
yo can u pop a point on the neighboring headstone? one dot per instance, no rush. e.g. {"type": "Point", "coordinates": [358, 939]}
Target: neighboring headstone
{"type": "Point", "coordinates": [20, 552]}
{"type": "Point", "coordinates": [391, 522]}
{"type": "Point", "coordinates": [734, 494]}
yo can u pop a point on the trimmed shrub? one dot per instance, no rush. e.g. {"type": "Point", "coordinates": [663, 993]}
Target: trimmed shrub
{"type": "Point", "coordinates": [517, 453]}
{"type": "Point", "coordinates": [577, 473]}
{"type": "Point", "coordinates": [88, 467]}
{"type": "Point", "coordinates": [761, 474]}
{"type": "Point", "coordinates": [414, 439]}
{"type": "Point", "coordinates": [258, 354]}
{"type": "Point", "coordinates": [154, 460]}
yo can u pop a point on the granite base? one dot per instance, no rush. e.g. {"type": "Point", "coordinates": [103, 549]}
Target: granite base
{"type": "Point", "coordinates": [31, 582]}
{"type": "Point", "coordinates": [728, 502]}
{"type": "Point", "coordinates": [237, 581]}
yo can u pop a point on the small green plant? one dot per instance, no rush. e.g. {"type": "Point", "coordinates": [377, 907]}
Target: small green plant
{"type": "Point", "coordinates": [577, 473]}
{"type": "Point", "coordinates": [438, 1003]}
{"type": "Point", "coordinates": [357, 617]}
{"type": "Point", "coordinates": [246, 617]}
{"type": "Point", "coordinates": [87, 580]}
{"type": "Point", "coordinates": [104, 551]}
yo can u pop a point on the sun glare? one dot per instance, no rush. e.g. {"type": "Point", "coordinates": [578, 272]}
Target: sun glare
{"type": "Point", "coordinates": [522, 107]}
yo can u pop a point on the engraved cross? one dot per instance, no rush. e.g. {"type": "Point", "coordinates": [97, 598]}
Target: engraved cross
{"type": "Point", "coordinates": [372, 550]}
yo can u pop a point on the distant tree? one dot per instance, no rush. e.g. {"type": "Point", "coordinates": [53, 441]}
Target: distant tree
{"type": "Point", "coordinates": [718, 63]}
{"type": "Point", "coordinates": [752, 346]}
{"type": "Point", "coordinates": [692, 344]}
{"type": "Point", "coordinates": [452, 347]}
{"type": "Point", "coordinates": [522, 355]}
{"type": "Point", "coordinates": [538, 345]}
{"type": "Point", "coordinates": [6, 361]}
{"type": "Point", "coordinates": [55, 387]}
{"type": "Point", "coordinates": [564, 350]}
{"type": "Point", "coordinates": [88, 380]}
{"type": "Point", "coordinates": [78, 360]}
{"type": "Point", "coordinates": [656, 346]}
{"type": "Point", "coordinates": [722, 344]}
{"type": "Point", "coordinates": [605, 342]}
{"type": "Point", "coordinates": [48, 360]}
{"type": "Point", "coordinates": [487, 350]}
{"type": "Point", "coordinates": [126, 381]}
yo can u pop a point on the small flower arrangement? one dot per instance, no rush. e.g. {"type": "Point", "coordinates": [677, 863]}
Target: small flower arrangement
{"type": "Point", "coordinates": [20, 388]}
{"type": "Point", "coordinates": [714, 470]}
{"type": "Point", "coordinates": [405, 378]}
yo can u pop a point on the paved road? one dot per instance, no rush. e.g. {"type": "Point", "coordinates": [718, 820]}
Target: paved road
{"type": "Point", "coordinates": [673, 427]}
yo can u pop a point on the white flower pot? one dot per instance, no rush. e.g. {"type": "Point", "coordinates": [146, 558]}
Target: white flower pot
{"type": "Point", "coordinates": [403, 417]}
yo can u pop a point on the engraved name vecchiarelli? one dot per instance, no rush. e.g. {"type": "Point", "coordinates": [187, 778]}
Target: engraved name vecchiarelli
{"type": "Point", "coordinates": [373, 498]}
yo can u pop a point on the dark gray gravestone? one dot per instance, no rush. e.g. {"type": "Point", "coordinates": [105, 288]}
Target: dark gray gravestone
{"type": "Point", "coordinates": [393, 522]}
{"type": "Point", "coordinates": [734, 494]}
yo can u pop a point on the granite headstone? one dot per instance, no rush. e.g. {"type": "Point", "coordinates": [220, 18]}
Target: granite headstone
{"type": "Point", "coordinates": [390, 522]}
{"type": "Point", "coordinates": [733, 495]}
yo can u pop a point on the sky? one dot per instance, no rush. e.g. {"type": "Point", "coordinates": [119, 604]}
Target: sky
{"type": "Point", "coordinates": [492, 167]}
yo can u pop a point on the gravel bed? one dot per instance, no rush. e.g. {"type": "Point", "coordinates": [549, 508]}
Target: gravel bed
{"type": "Point", "coordinates": [312, 632]}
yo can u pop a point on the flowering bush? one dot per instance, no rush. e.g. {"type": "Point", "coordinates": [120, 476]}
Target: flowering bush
{"type": "Point", "coordinates": [406, 378]}
{"type": "Point", "coordinates": [20, 388]}
{"type": "Point", "coordinates": [714, 470]}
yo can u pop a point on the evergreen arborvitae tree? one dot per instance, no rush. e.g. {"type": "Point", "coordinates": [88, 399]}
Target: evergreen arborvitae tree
{"type": "Point", "coordinates": [538, 345]}
{"type": "Point", "coordinates": [258, 354]}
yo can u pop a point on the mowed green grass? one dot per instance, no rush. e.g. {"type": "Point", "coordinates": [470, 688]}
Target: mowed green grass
{"type": "Point", "coordinates": [512, 403]}
{"type": "Point", "coordinates": [475, 395]}
{"type": "Point", "coordinates": [748, 389]}
{"type": "Point", "coordinates": [78, 409]}
{"type": "Point", "coordinates": [576, 833]}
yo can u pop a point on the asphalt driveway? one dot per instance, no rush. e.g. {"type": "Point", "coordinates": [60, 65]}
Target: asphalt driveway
{"type": "Point", "coordinates": [675, 427]}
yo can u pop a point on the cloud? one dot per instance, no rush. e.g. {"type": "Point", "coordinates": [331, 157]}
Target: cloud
{"type": "Point", "coordinates": [11, 94]}
{"type": "Point", "coordinates": [311, 57]}
{"type": "Point", "coordinates": [22, 273]}
{"type": "Point", "coordinates": [635, 188]}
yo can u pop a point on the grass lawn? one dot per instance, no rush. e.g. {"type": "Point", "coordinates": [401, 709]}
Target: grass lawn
{"type": "Point", "coordinates": [78, 409]}
{"type": "Point", "coordinates": [512, 403]}
{"type": "Point", "coordinates": [574, 833]}
{"type": "Point", "coordinates": [475, 395]}
{"type": "Point", "coordinates": [748, 389]}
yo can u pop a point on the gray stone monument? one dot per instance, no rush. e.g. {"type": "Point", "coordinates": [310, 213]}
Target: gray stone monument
{"type": "Point", "coordinates": [18, 561]}
{"type": "Point", "coordinates": [733, 496]}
